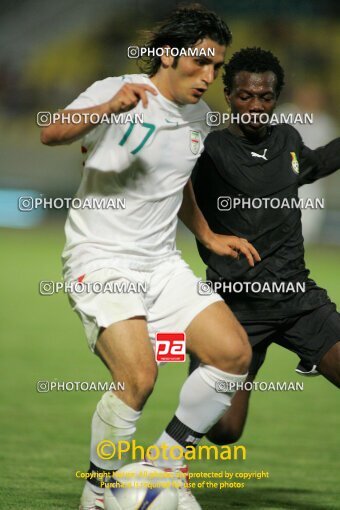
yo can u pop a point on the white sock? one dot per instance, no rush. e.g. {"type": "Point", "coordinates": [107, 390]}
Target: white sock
{"type": "Point", "coordinates": [200, 407]}
{"type": "Point", "coordinates": [112, 420]}
{"type": "Point", "coordinates": [163, 462]}
{"type": "Point", "coordinates": [93, 488]}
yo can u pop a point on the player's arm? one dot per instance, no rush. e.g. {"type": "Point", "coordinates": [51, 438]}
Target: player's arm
{"type": "Point", "coordinates": [193, 218]}
{"type": "Point", "coordinates": [65, 132]}
{"type": "Point", "coordinates": [318, 163]}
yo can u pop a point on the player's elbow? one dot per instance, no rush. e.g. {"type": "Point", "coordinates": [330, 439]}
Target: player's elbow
{"type": "Point", "coordinates": [52, 135]}
{"type": "Point", "coordinates": [46, 137]}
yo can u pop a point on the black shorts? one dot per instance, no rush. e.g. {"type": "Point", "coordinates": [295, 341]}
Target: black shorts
{"type": "Point", "coordinates": [309, 335]}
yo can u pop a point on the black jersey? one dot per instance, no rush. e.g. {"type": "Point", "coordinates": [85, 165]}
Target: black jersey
{"type": "Point", "coordinates": [272, 170]}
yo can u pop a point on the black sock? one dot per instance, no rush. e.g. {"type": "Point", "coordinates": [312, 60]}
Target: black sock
{"type": "Point", "coordinates": [184, 435]}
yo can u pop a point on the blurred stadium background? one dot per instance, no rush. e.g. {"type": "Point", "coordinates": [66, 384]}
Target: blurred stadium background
{"type": "Point", "coordinates": [49, 52]}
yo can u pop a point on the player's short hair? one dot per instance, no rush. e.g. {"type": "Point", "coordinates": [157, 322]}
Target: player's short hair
{"type": "Point", "coordinates": [253, 60]}
{"type": "Point", "coordinates": [184, 27]}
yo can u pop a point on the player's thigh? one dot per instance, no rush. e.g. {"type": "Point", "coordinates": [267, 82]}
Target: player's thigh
{"type": "Point", "coordinates": [312, 335]}
{"type": "Point", "coordinates": [116, 329]}
{"type": "Point", "coordinates": [217, 338]}
{"type": "Point", "coordinates": [126, 350]}
{"type": "Point", "coordinates": [329, 366]}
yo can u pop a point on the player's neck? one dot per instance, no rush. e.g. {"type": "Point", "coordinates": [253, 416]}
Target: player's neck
{"type": "Point", "coordinates": [163, 87]}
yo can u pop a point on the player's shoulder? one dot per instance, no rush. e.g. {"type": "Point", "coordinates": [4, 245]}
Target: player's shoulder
{"type": "Point", "coordinates": [215, 139]}
{"type": "Point", "coordinates": [202, 107]}
{"type": "Point", "coordinates": [196, 113]}
{"type": "Point", "coordinates": [287, 131]}
{"type": "Point", "coordinates": [216, 145]}
{"type": "Point", "coordinates": [118, 81]}
{"type": "Point", "coordinates": [103, 90]}
{"type": "Point", "coordinates": [135, 78]}
{"type": "Point", "coordinates": [98, 92]}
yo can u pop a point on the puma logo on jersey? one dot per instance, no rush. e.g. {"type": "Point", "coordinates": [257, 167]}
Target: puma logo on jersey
{"type": "Point", "coordinates": [263, 156]}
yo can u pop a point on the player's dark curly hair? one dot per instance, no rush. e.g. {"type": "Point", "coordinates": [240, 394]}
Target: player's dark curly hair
{"type": "Point", "coordinates": [184, 27]}
{"type": "Point", "coordinates": [253, 60]}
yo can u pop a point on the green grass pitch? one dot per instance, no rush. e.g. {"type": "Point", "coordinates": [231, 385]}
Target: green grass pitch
{"type": "Point", "coordinates": [45, 436]}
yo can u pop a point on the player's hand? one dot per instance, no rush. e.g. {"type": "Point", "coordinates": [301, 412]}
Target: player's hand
{"type": "Point", "coordinates": [233, 246]}
{"type": "Point", "coordinates": [129, 96]}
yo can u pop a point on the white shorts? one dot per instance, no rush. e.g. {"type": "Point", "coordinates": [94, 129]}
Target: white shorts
{"type": "Point", "coordinates": [169, 302]}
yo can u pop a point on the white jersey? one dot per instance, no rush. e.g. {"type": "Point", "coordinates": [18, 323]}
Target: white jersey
{"type": "Point", "coordinates": [140, 169]}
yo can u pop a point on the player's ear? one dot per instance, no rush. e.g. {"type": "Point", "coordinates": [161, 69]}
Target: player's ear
{"type": "Point", "coordinates": [167, 59]}
{"type": "Point", "coordinates": [227, 95]}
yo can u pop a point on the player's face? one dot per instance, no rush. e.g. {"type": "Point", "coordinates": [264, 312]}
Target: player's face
{"type": "Point", "coordinates": [253, 94]}
{"type": "Point", "coordinates": [191, 77]}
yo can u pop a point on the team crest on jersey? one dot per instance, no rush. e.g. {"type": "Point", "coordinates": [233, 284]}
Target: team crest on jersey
{"type": "Point", "coordinates": [295, 163]}
{"type": "Point", "coordinates": [195, 141]}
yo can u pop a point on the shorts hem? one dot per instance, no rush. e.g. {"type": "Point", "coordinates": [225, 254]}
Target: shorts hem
{"type": "Point", "coordinates": [204, 303]}
{"type": "Point", "coordinates": [102, 323]}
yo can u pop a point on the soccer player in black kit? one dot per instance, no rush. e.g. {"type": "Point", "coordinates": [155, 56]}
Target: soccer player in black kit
{"type": "Point", "coordinates": [261, 160]}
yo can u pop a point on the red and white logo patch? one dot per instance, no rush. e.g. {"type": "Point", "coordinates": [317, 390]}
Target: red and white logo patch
{"type": "Point", "coordinates": [170, 347]}
{"type": "Point", "coordinates": [195, 141]}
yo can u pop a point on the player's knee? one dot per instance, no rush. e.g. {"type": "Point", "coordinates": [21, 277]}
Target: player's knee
{"type": "Point", "coordinates": [242, 335]}
{"type": "Point", "coordinates": [235, 356]}
{"type": "Point", "coordinates": [241, 353]}
{"type": "Point", "coordinates": [247, 354]}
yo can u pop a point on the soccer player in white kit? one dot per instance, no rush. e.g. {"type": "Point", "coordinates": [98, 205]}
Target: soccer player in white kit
{"type": "Point", "coordinates": [148, 165]}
